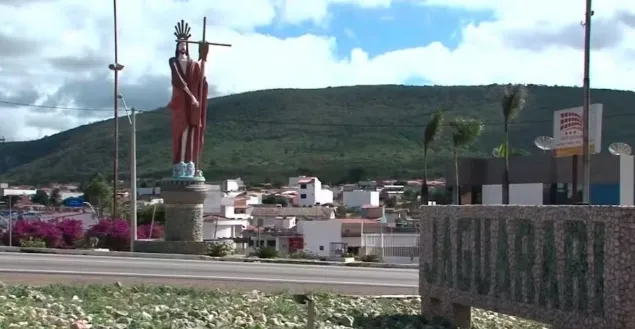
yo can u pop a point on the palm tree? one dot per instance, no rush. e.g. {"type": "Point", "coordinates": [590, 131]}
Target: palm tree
{"type": "Point", "coordinates": [464, 133]}
{"type": "Point", "coordinates": [430, 134]}
{"type": "Point", "coordinates": [512, 102]}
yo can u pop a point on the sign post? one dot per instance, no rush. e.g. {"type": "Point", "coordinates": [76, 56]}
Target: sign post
{"type": "Point", "coordinates": [568, 131]}
{"type": "Point", "coordinates": [569, 139]}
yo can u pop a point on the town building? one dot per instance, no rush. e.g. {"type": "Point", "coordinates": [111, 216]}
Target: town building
{"type": "Point", "coordinates": [312, 193]}
{"type": "Point", "coordinates": [544, 179]}
{"type": "Point", "coordinates": [269, 216]}
{"type": "Point", "coordinates": [336, 237]}
{"type": "Point", "coordinates": [360, 198]}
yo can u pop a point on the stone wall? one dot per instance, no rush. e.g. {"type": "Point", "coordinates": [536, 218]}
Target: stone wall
{"type": "Point", "coordinates": [568, 266]}
{"type": "Point", "coordinates": [171, 247]}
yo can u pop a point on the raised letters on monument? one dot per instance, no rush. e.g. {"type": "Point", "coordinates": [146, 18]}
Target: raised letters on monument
{"type": "Point", "coordinates": [554, 266]}
{"type": "Point", "coordinates": [456, 272]}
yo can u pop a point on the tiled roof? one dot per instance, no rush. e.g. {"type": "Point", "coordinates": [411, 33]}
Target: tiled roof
{"type": "Point", "coordinates": [316, 212]}
{"type": "Point", "coordinates": [240, 203]}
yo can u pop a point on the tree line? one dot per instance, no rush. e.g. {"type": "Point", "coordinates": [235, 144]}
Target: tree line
{"type": "Point", "coordinates": [465, 131]}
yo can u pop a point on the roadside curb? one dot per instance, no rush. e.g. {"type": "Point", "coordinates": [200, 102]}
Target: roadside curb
{"type": "Point", "coordinates": [78, 252]}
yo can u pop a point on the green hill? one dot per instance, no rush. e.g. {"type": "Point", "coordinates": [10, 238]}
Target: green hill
{"type": "Point", "coordinates": [272, 134]}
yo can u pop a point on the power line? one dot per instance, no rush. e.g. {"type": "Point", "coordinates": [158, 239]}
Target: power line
{"type": "Point", "coordinates": [310, 124]}
{"type": "Point", "coordinates": [55, 107]}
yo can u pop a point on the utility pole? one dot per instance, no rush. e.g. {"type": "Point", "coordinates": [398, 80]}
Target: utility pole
{"type": "Point", "coordinates": [115, 67]}
{"type": "Point", "coordinates": [10, 223]}
{"type": "Point", "coordinates": [133, 180]}
{"type": "Point", "coordinates": [586, 153]}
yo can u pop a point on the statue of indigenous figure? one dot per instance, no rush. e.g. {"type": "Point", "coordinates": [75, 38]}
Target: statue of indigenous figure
{"type": "Point", "coordinates": [188, 104]}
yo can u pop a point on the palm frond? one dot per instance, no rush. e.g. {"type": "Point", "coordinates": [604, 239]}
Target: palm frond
{"type": "Point", "coordinates": [465, 131]}
{"type": "Point", "coordinates": [433, 128]}
{"type": "Point", "coordinates": [501, 150]}
{"type": "Point", "coordinates": [513, 100]}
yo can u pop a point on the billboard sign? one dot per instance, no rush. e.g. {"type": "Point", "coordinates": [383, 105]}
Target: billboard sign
{"type": "Point", "coordinates": [567, 130]}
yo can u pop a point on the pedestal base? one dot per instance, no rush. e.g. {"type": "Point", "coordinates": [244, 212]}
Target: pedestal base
{"type": "Point", "coordinates": [183, 200]}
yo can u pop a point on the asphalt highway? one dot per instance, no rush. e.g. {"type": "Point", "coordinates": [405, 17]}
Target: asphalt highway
{"type": "Point", "coordinates": [22, 268]}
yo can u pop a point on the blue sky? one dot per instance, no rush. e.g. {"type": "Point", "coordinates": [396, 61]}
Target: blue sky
{"type": "Point", "coordinates": [380, 30]}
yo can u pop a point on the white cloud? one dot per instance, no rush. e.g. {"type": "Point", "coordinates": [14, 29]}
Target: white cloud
{"type": "Point", "coordinates": [66, 45]}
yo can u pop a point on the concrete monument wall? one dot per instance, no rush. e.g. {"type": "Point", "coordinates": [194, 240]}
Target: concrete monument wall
{"type": "Point", "coordinates": [568, 266]}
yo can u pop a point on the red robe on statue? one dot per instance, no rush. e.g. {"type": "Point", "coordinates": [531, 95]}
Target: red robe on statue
{"type": "Point", "coordinates": [184, 114]}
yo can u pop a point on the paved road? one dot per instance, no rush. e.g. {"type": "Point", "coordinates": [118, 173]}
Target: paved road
{"type": "Point", "coordinates": [253, 275]}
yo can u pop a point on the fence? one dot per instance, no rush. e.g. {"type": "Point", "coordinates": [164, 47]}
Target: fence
{"type": "Point", "coordinates": [396, 248]}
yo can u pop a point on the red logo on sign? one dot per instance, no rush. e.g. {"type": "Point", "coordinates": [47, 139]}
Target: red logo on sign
{"type": "Point", "coordinates": [570, 124]}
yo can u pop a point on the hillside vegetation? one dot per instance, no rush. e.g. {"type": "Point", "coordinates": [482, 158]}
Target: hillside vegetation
{"type": "Point", "coordinates": [373, 131]}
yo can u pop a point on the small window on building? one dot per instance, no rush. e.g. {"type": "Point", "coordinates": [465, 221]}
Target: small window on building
{"type": "Point", "coordinates": [302, 196]}
{"type": "Point", "coordinates": [271, 243]}
{"type": "Point", "coordinates": [322, 248]}
{"type": "Point", "coordinates": [302, 186]}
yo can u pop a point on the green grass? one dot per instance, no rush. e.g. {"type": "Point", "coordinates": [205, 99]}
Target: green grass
{"type": "Point", "coordinates": [162, 307]}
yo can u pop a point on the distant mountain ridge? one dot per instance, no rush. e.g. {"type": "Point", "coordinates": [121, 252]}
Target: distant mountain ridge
{"type": "Point", "coordinates": [267, 135]}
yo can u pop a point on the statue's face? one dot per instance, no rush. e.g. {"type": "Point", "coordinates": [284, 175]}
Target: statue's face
{"type": "Point", "coordinates": [182, 47]}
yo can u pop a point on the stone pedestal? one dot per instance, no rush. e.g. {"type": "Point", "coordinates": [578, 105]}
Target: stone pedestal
{"type": "Point", "coordinates": [183, 201]}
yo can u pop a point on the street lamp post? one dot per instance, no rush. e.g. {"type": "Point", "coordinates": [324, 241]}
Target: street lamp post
{"type": "Point", "coordinates": [133, 172]}
{"type": "Point", "coordinates": [91, 208]}
{"type": "Point", "coordinates": [115, 67]}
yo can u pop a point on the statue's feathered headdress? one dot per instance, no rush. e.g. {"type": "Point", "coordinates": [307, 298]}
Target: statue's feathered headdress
{"type": "Point", "coordinates": [182, 30]}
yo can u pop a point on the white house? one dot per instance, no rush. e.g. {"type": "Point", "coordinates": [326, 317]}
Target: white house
{"type": "Point", "coordinates": [271, 216]}
{"type": "Point", "coordinates": [312, 193]}
{"type": "Point", "coordinates": [219, 202]}
{"type": "Point", "coordinates": [360, 236]}
{"type": "Point", "coordinates": [253, 199]}
{"type": "Point", "coordinates": [360, 198]}
{"type": "Point", "coordinates": [332, 237]}
{"type": "Point", "coordinates": [225, 217]}
{"type": "Point", "coordinates": [321, 237]}
{"type": "Point", "coordinates": [219, 227]}
{"type": "Point", "coordinates": [233, 185]}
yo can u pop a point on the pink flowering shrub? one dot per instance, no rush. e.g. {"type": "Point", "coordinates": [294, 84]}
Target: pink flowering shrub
{"type": "Point", "coordinates": [143, 231]}
{"type": "Point", "coordinates": [72, 231]}
{"type": "Point", "coordinates": [66, 232]}
{"type": "Point", "coordinates": [114, 234]}
{"type": "Point", "coordinates": [35, 229]}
